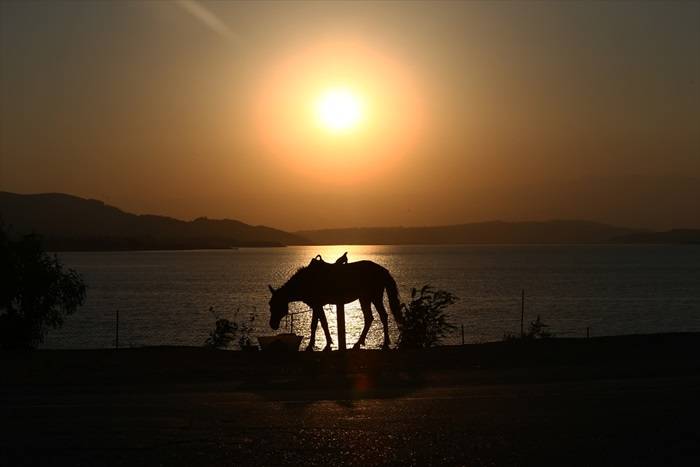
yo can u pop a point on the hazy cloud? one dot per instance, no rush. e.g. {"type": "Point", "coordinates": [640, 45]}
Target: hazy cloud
{"type": "Point", "coordinates": [207, 17]}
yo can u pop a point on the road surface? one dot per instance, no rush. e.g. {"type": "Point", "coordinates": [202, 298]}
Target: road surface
{"type": "Point", "coordinates": [630, 421]}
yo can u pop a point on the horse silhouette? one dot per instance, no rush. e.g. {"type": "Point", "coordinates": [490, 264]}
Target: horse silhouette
{"type": "Point", "coordinates": [322, 283]}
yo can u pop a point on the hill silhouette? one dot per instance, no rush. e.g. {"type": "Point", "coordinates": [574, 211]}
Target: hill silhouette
{"type": "Point", "coordinates": [71, 223]}
{"type": "Point", "coordinates": [555, 231]}
{"type": "Point", "coordinates": [670, 236]}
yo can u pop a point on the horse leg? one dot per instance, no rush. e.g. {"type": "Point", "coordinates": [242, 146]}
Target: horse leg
{"type": "Point", "coordinates": [379, 305]}
{"type": "Point", "coordinates": [366, 306]}
{"type": "Point", "coordinates": [324, 325]}
{"type": "Point", "coordinates": [312, 339]}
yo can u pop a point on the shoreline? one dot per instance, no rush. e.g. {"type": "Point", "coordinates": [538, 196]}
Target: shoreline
{"type": "Point", "coordinates": [486, 244]}
{"type": "Point", "coordinates": [609, 355]}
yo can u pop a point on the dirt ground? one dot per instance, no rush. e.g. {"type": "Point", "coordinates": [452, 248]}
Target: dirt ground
{"type": "Point", "coordinates": [629, 400]}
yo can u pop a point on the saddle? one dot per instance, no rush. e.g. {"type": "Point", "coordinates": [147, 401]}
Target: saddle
{"type": "Point", "coordinates": [319, 261]}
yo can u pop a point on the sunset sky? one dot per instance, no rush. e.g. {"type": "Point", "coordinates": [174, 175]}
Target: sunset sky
{"type": "Point", "coordinates": [312, 115]}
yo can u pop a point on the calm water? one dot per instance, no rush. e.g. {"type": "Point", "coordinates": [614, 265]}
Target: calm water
{"type": "Point", "coordinates": [164, 297]}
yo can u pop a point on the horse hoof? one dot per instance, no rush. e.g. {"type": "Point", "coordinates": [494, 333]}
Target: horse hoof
{"type": "Point", "coordinates": [356, 346]}
{"type": "Point", "coordinates": [328, 348]}
{"type": "Point", "coordinates": [310, 348]}
{"type": "Point", "coordinates": [385, 347]}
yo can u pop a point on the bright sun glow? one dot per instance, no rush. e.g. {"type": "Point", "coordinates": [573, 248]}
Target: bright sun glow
{"type": "Point", "coordinates": [337, 106]}
{"type": "Point", "coordinates": [339, 109]}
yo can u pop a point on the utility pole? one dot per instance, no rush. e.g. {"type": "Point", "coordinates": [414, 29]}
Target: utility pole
{"type": "Point", "coordinates": [522, 314]}
{"type": "Point", "coordinates": [116, 340]}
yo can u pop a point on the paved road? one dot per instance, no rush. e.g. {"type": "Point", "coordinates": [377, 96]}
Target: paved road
{"type": "Point", "coordinates": [634, 421]}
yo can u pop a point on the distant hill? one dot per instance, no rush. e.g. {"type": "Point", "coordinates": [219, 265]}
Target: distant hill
{"type": "Point", "coordinates": [555, 231]}
{"type": "Point", "coordinates": [70, 223]}
{"type": "Point", "coordinates": [670, 236]}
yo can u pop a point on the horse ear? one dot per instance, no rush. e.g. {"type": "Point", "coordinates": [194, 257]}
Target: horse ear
{"type": "Point", "coordinates": [271, 289]}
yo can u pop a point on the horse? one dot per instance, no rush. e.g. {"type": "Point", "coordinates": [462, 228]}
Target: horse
{"type": "Point", "coordinates": [322, 283]}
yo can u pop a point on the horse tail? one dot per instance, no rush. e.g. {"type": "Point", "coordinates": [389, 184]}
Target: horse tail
{"type": "Point", "coordinates": [392, 293]}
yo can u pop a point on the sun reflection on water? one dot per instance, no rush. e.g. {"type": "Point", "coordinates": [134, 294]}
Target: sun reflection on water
{"type": "Point", "coordinates": [164, 296]}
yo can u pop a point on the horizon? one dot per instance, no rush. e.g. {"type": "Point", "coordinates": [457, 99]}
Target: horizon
{"type": "Point", "coordinates": [308, 115]}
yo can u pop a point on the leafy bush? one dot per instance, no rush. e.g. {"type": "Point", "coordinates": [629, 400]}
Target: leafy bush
{"type": "Point", "coordinates": [226, 331]}
{"type": "Point", "coordinates": [36, 291]}
{"type": "Point", "coordinates": [425, 322]}
{"type": "Point", "coordinates": [223, 334]}
{"type": "Point", "coordinates": [538, 330]}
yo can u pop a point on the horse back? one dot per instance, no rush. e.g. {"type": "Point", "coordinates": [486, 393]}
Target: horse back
{"type": "Point", "coordinates": [344, 283]}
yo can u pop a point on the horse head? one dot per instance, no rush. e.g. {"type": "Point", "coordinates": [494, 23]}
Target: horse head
{"type": "Point", "coordinates": [278, 307]}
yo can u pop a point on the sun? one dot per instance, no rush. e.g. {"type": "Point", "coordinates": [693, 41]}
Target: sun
{"type": "Point", "coordinates": [339, 110]}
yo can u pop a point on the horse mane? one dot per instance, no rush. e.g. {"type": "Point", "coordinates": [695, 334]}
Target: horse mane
{"type": "Point", "coordinates": [316, 262]}
{"type": "Point", "coordinates": [296, 277]}
{"type": "Point", "coordinates": [303, 272]}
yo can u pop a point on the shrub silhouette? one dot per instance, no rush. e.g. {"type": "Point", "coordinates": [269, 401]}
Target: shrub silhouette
{"type": "Point", "coordinates": [424, 321]}
{"type": "Point", "coordinates": [226, 331]}
{"type": "Point", "coordinates": [36, 291]}
{"type": "Point", "coordinates": [538, 330]}
{"type": "Point", "coordinates": [223, 334]}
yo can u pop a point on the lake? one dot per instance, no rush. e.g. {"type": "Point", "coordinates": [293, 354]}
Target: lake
{"type": "Point", "coordinates": [164, 297]}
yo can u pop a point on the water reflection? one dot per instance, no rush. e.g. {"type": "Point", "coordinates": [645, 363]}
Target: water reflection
{"type": "Point", "coordinates": [164, 296]}
{"type": "Point", "coordinates": [354, 322]}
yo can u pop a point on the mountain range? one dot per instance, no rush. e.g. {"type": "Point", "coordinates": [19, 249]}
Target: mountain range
{"type": "Point", "coordinates": [68, 222]}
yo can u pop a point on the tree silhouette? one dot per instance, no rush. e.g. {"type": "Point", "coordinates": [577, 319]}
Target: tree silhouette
{"type": "Point", "coordinates": [36, 291]}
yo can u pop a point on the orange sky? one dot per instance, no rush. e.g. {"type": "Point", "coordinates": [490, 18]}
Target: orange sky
{"type": "Point", "coordinates": [472, 111]}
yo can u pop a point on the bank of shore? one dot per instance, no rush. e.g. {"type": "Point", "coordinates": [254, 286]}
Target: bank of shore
{"type": "Point", "coordinates": [575, 358]}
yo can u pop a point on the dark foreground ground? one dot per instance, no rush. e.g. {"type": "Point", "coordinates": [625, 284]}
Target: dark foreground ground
{"type": "Point", "coordinates": [606, 401]}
